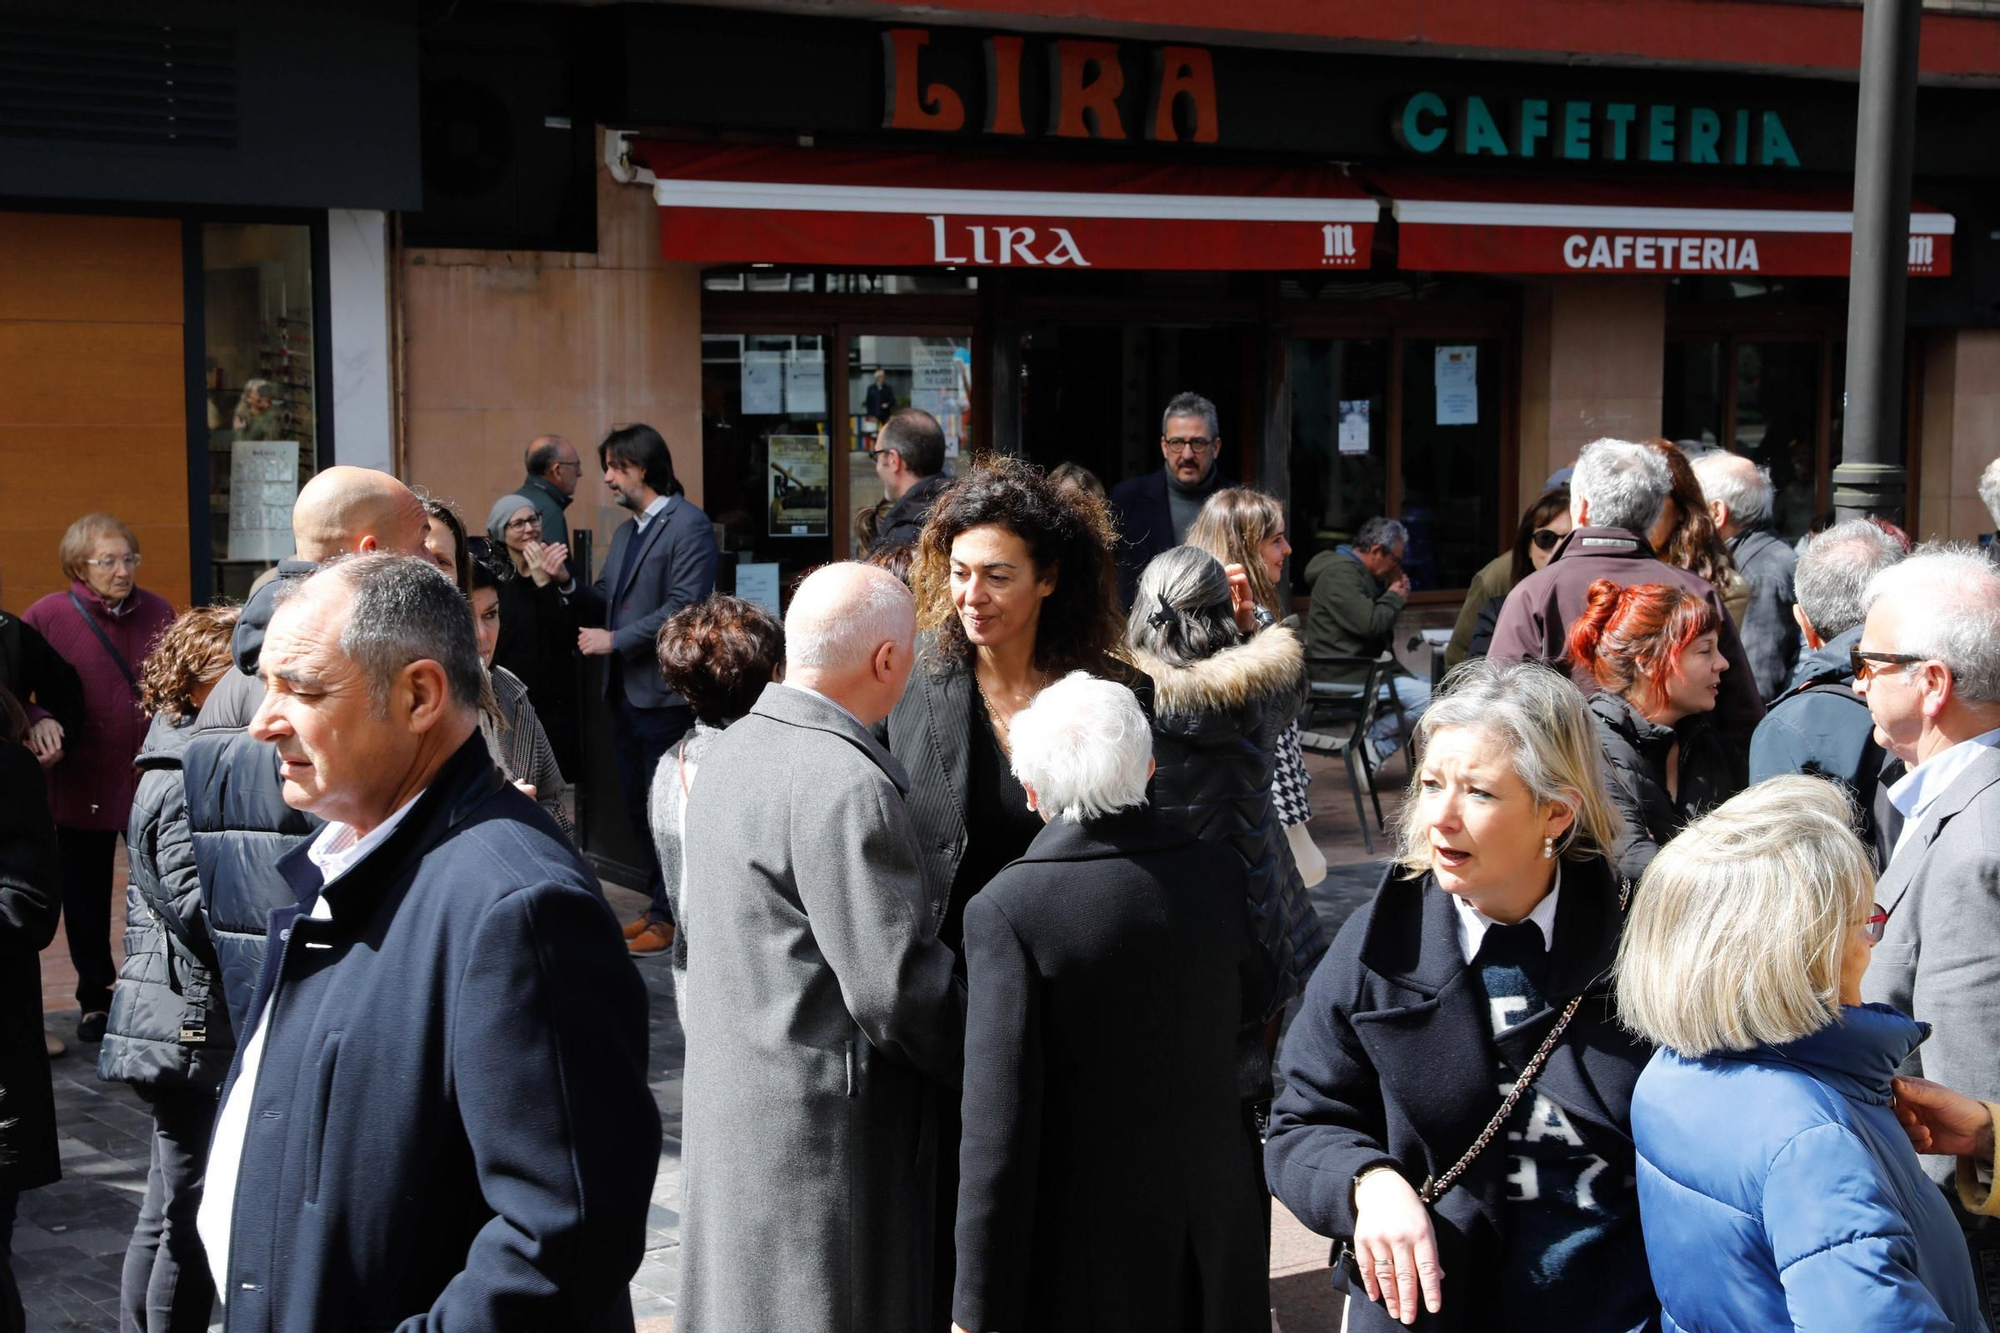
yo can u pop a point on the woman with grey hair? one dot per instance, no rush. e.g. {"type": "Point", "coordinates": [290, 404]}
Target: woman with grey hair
{"type": "Point", "coordinates": [1457, 1084]}
{"type": "Point", "coordinates": [1221, 702]}
{"type": "Point", "coordinates": [537, 627]}
{"type": "Point", "coordinates": [1109, 969]}
{"type": "Point", "coordinates": [1778, 1188]}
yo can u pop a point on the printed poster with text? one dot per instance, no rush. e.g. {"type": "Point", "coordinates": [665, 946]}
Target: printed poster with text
{"type": "Point", "coordinates": [798, 477]}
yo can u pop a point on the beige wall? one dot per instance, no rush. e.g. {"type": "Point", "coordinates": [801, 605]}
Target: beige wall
{"type": "Point", "coordinates": [1592, 364]}
{"type": "Point", "coordinates": [1961, 431]}
{"type": "Point", "coordinates": [501, 346]}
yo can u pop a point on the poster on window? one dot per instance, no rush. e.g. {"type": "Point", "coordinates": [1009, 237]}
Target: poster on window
{"type": "Point", "coordinates": [1354, 425]}
{"type": "Point", "coordinates": [263, 483]}
{"type": "Point", "coordinates": [805, 383]}
{"type": "Point", "coordinates": [763, 384]}
{"type": "Point", "coordinates": [797, 477]}
{"type": "Point", "coordinates": [1457, 375]}
{"type": "Point", "coordinates": [941, 384]}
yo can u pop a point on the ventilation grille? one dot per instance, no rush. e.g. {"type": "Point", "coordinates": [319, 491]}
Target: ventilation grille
{"type": "Point", "coordinates": [160, 84]}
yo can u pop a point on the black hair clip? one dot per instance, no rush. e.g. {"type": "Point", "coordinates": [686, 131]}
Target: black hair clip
{"type": "Point", "coordinates": [1165, 618]}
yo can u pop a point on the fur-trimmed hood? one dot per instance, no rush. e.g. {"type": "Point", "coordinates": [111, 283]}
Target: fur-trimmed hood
{"type": "Point", "coordinates": [1269, 664]}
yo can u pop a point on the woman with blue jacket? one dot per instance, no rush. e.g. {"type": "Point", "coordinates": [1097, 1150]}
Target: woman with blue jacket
{"type": "Point", "coordinates": [1776, 1188]}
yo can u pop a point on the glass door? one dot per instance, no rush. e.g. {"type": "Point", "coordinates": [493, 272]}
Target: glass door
{"type": "Point", "coordinates": [886, 373]}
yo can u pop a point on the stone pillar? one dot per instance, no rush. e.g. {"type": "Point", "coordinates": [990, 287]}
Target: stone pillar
{"type": "Point", "coordinates": [1593, 360]}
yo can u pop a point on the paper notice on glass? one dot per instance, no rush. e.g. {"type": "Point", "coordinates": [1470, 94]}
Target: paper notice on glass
{"type": "Point", "coordinates": [805, 383]}
{"type": "Point", "coordinates": [931, 368]}
{"type": "Point", "coordinates": [263, 483]}
{"type": "Point", "coordinates": [797, 478]}
{"type": "Point", "coordinates": [759, 583]}
{"type": "Point", "coordinates": [1457, 377]}
{"type": "Point", "coordinates": [1354, 425]}
{"type": "Point", "coordinates": [763, 384]}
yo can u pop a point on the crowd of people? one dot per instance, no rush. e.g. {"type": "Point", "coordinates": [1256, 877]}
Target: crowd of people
{"type": "Point", "coordinates": [983, 880]}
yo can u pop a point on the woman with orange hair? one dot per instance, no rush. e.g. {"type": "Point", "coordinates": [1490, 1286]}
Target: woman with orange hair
{"type": "Point", "coordinates": [1653, 650]}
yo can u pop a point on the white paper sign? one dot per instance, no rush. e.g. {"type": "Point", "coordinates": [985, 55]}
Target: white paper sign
{"type": "Point", "coordinates": [759, 583]}
{"type": "Point", "coordinates": [938, 384]}
{"type": "Point", "coordinates": [1457, 376]}
{"type": "Point", "coordinates": [763, 384]}
{"type": "Point", "coordinates": [1354, 425]}
{"type": "Point", "coordinates": [263, 483]}
{"type": "Point", "coordinates": [805, 383]}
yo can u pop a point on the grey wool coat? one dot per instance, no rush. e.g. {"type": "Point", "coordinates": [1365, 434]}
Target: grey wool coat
{"type": "Point", "coordinates": [824, 1023]}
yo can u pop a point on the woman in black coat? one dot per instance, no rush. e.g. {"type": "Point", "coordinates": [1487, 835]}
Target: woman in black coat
{"type": "Point", "coordinates": [1498, 923]}
{"type": "Point", "coordinates": [30, 902]}
{"type": "Point", "coordinates": [1110, 967]}
{"type": "Point", "coordinates": [537, 627]}
{"type": "Point", "coordinates": [1653, 649]}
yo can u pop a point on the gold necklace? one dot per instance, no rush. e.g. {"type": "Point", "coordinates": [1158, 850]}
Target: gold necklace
{"type": "Point", "coordinates": [1003, 727]}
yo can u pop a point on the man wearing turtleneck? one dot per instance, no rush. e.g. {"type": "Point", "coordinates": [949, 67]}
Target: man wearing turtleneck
{"type": "Point", "coordinates": [1154, 511]}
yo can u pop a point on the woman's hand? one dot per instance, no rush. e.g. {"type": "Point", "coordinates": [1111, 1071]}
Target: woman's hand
{"type": "Point", "coordinates": [532, 555]}
{"type": "Point", "coordinates": [1939, 1120]}
{"type": "Point", "coordinates": [45, 741]}
{"type": "Point", "coordinates": [554, 562]}
{"type": "Point", "coordinates": [1395, 1247]}
{"type": "Point", "coordinates": [1241, 600]}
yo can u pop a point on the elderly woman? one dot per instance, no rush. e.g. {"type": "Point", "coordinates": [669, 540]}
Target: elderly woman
{"type": "Point", "coordinates": [1777, 1187]}
{"type": "Point", "coordinates": [513, 728]}
{"type": "Point", "coordinates": [1221, 702]}
{"type": "Point", "coordinates": [1457, 1084]}
{"type": "Point", "coordinates": [537, 627]}
{"type": "Point", "coordinates": [718, 654]}
{"type": "Point", "coordinates": [103, 625]}
{"type": "Point", "coordinates": [1110, 967]}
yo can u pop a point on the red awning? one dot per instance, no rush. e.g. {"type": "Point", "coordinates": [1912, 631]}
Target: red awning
{"type": "Point", "coordinates": [903, 210]}
{"type": "Point", "coordinates": [1502, 225]}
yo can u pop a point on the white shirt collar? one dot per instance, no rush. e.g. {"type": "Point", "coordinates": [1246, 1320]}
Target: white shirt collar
{"type": "Point", "coordinates": [1916, 791]}
{"type": "Point", "coordinates": [1473, 923]}
{"type": "Point", "coordinates": [807, 689]}
{"type": "Point", "coordinates": [337, 849]}
{"type": "Point", "coordinates": [654, 510]}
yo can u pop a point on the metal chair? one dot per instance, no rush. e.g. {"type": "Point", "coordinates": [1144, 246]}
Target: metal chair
{"type": "Point", "coordinates": [1336, 719]}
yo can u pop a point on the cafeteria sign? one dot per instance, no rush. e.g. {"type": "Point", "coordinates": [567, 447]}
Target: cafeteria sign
{"type": "Point", "coordinates": [1533, 128]}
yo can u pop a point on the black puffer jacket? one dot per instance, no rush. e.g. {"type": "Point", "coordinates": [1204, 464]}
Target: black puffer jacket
{"type": "Point", "coordinates": [1215, 730]}
{"type": "Point", "coordinates": [169, 1026]}
{"type": "Point", "coordinates": [30, 901]}
{"type": "Point", "coordinates": [1710, 773]}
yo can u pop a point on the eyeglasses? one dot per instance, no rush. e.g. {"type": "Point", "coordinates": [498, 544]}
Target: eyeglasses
{"type": "Point", "coordinates": [1876, 924]}
{"type": "Point", "coordinates": [1866, 664]}
{"type": "Point", "coordinates": [524, 524]}
{"type": "Point", "coordinates": [1545, 539]}
{"type": "Point", "coordinates": [1196, 444]}
{"type": "Point", "coordinates": [110, 562]}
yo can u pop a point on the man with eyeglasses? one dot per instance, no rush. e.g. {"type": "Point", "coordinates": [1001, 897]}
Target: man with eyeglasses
{"type": "Point", "coordinates": [553, 471]}
{"type": "Point", "coordinates": [1928, 665]}
{"type": "Point", "coordinates": [909, 459]}
{"type": "Point", "coordinates": [1154, 512]}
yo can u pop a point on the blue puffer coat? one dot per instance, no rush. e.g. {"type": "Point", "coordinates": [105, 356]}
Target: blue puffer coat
{"type": "Point", "coordinates": [1777, 1190]}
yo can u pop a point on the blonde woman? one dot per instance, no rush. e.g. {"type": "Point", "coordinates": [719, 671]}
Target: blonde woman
{"type": "Point", "coordinates": [1457, 1083]}
{"type": "Point", "coordinates": [1777, 1187]}
{"type": "Point", "coordinates": [1245, 530]}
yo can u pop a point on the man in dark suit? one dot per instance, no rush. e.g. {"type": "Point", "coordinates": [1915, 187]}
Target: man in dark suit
{"type": "Point", "coordinates": [661, 559]}
{"type": "Point", "coordinates": [439, 1116]}
{"type": "Point", "coordinates": [1154, 512]}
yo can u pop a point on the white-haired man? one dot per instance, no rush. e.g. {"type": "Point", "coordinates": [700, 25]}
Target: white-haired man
{"type": "Point", "coordinates": [1739, 497]}
{"type": "Point", "coordinates": [1928, 665]}
{"type": "Point", "coordinates": [825, 1019]}
{"type": "Point", "coordinates": [1616, 495]}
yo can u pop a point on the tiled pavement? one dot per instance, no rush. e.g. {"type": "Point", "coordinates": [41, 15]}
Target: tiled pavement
{"type": "Point", "coordinates": [69, 1241]}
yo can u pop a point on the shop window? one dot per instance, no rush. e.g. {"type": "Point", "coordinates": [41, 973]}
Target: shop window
{"type": "Point", "coordinates": [887, 372]}
{"type": "Point", "coordinates": [757, 278]}
{"type": "Point", "coordinates": [259, 373]}
{"type": "Point", "coordinates": [1451, 445]}
{"type": "Point", "coordinates": [1340, 442]}
{"type": "Point", "coordinates": [767, 455]}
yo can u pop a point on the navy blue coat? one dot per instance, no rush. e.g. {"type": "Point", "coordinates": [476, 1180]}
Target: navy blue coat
{"type": "Point", "coordinates": [1145, 523]}
{"type": "Point", "coordinates": [1777, 1190]}
{"type": "Point", "coordinates": [451, 1127]}
{"type": "Point", "coordinates": [669, 566]}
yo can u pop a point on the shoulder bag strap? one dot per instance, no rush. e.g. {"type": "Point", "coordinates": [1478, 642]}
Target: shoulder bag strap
{"type": "Point", "coordinates": [96, 629]}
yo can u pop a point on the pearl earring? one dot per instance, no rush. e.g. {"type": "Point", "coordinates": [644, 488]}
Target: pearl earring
{"type": "Point", "coordinates": [1548, 849]}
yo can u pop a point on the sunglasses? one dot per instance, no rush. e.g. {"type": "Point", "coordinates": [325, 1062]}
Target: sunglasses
{"type": "Point", "coordinates": [1545, 539]}
{"type": "Point", "coordinates": [1866, 664]}
{"type": "Point", "coordinates": [1876, 924]}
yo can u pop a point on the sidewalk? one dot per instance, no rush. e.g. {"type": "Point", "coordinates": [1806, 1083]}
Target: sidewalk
{"type": "Point", "coordinates": [69, 1241]}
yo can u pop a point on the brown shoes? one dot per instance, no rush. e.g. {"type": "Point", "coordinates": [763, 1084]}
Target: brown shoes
{"type": "Point", "coordinates": [653, 937]}
{"type": "Point", "coordinates": [634, 927]}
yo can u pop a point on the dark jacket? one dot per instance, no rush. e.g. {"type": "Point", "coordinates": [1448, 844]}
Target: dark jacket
{"type": "Point", "coordinates": [1535, 622]}
{"type": "Point", "coordinates": [92, 787]}
{"type": "Point", "coordinates": [930, 732]}
{"type": "Point", "coordinates": [549, 503]}
{"type": "Point", "coordinates": [1391, 1063]}
{"type": "Point", "coordinates": [451, 1125]}
{"type": "Point", "coordinates": [1215, 731]}
{"type": "Point", "coordinates": [36, 675]}
{"type": "Point", "coordinates": [1128, 994]}
{"type": "Point", "coordinates": [538, 644]}
{"type": "Point", "coordinates": [1145, 522]}
{"type": "Point", "coordinates": [671, 565]}
{"type": "Point", "coordinates": [1636, 752]}
{"type": "Point", "coordinates": [905, 520]}
{"type": "Point", "coordinates": [169, 1024]}
{"type": "Point", "coordinates": [30, 901]}
{"type": "Point", "coordinates": [1780, 1192]}
{"type": "Point", "coordinates": [1770, 635]}
{"type": "Point", "coordinates": [1472, 632]}
{"type": "Point", "coordinates": [1352, 613]}
{"type": "Point", "coordinates": [1821, 726]}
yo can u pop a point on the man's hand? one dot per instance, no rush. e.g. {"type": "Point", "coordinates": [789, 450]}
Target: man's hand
{"type": "Point", "coordinates": [593, 642]}
{"type": "Point", "coordinates": [1394, 1246]}
{"type": "Point", "coordinates": [45, 741]}
{"type": "Point", "coordinates": [1941, 1121]}
{"type": "Point", "coordinates": [1401, 587]}
{"type": "Point", "coordinates": [1242, 602]}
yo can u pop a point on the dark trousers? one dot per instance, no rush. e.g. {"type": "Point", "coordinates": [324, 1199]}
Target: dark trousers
{"type": "Point", "coordinates": [13, 1319]}
{"type": "Point", "coordinates": [641, 737]}
{"type": "Point", "coordinates": [86, 855]}
{"type": "Point", "coordinates": [166, 1286]}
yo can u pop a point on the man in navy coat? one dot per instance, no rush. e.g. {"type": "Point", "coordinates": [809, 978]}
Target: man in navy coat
{"type": "Point", "coordinates": [439, 1115]}
{"type": "Point", "coordinates": [661, 559]}
{"type": "Point", "coordinates": [1154, 511]}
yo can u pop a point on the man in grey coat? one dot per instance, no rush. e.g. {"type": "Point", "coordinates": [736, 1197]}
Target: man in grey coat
{"type": "Point", "coordinates": [825, 1020]}
{"type": "Point", "coordinates": [1739, 499]}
